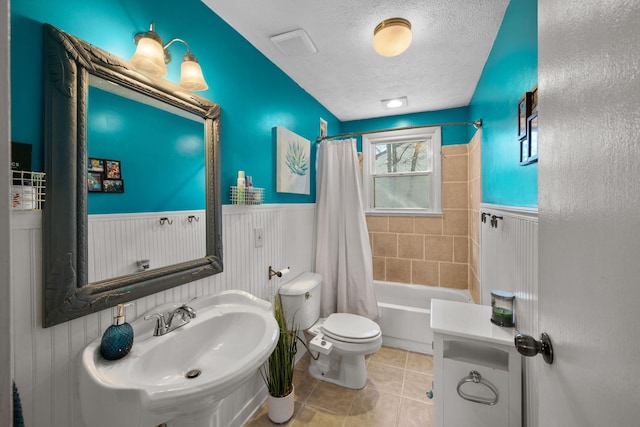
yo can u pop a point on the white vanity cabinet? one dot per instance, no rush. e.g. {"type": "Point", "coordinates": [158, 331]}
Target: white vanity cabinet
{"type": "Point", "coordinates": [477, 374]}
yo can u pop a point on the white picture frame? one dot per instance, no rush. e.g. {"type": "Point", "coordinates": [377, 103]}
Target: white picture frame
{"type": "Point", "coordinates": [293, 162]}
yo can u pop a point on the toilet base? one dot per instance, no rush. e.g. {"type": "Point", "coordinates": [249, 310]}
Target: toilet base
{"type": "Point", "coordinates": [346, 371]}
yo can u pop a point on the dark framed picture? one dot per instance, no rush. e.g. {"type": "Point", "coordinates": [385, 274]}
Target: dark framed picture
{"type": "Point", "coordinates": [95, 165]}
{"type": "Point", "coordinates": [532, 131]}
{"type": "Point", "coordinates": [112, 169]}
{"type": "Point", "coordinates": [113, 186]}
{"type": "Point", "coordinates": [94, 182]}
{"type": "Point", "coordinates": [529, 144]}
{"type": "Point", "coordinates": [524, 110]}
{"type": "Point", "coordinates": [534, 100]}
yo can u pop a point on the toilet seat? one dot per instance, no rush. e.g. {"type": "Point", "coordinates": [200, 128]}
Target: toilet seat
{"type": "Point", "coordinates": [350, 328]}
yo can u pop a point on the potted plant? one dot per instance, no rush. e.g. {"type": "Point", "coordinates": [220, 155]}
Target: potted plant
{"type": "Point", "coordinates": [277, 371]}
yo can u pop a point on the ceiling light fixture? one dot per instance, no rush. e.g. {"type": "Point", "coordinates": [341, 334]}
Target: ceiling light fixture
{"type": "Point", "coordinates": [392, 36]}
{"type": "Point", "coordinates": [151, 57]}
{"type": "Point", "coordinates": [395, 102]}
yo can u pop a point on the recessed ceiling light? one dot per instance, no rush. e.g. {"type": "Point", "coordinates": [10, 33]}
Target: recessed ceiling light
{"type": "Point", "coordinates": [395, 102]}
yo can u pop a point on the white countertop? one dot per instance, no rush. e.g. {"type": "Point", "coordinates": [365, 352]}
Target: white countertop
{"type": "Point", "coordinates": [468, 321]}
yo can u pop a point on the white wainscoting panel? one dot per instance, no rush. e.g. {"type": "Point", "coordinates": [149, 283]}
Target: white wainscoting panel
{"type": "Point", "coordinates": [509, 262]}
{"type": "Point", "coordinates": [46, 360]}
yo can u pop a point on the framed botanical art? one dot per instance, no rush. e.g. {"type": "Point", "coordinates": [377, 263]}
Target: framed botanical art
{"type": "Point", "coordinates": [293, 161]}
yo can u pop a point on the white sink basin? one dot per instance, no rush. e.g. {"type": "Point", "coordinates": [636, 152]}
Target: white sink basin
{"type": "Point", "coordinates": [231, 336]}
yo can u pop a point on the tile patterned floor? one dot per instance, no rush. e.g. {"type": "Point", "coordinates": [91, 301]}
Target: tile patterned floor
{"type": "Point", "coordinates": [394, 396]}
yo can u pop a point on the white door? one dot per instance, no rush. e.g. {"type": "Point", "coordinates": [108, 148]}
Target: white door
{"type": "Point", "coordinates": [589, 212]}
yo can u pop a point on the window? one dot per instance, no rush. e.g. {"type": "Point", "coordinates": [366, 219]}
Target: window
{"type": "Point", "coordinates": [401, 172]}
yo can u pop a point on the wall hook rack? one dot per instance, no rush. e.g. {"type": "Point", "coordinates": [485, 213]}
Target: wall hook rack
{"type": "Point", "coordinates": [165, 219]}
{"type": "Point", "coordinates": [192, 218]}
{"type": "Point", "coordinates": [494, 220]}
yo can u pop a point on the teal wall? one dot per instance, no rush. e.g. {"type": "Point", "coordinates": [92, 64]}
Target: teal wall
{"type": "Point", "coordinates": [162, 165]}
{"type": "Point", "coordinates": [254, 94]}
{"type": "Point", "coordinates": [450, 134]}
{"type": "Point", "coordinates": [510, 71]}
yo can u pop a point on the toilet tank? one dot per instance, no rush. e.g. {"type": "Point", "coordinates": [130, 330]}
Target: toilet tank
{"type": "Point", "coordinates": [301, 300]}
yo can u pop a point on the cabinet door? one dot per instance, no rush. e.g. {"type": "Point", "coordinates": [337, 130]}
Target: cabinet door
{"type": "Point", "coordinates": [459, 412]}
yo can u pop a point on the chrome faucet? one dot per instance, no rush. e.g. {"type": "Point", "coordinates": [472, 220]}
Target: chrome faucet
{"type": "Point", "coordinates": [178, 317]}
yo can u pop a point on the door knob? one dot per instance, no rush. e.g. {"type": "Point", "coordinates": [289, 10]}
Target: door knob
{"type": "Point", "coordinates": [529, 346]}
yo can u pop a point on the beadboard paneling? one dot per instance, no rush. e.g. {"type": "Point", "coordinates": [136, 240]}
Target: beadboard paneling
{"type": "Point", "coordinates": [45, 360]}
{"type": "Point", "coordinates": [509, 261]}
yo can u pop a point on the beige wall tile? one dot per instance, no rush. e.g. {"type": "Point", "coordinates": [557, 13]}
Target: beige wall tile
{"type": "Point", "coordinates": [401, 224]}
{"type": "Point", "coordinates": [455, 222]}
{"type": "Point", "coordinates": [474, 258]}
{"type": "Point", "coordinates": [474, 226]}
{"type": "Point", "coordinates": [474, 286]}
{"type": "Point", "coordinates": [438, 248]}
{"type": "Point", "coordinates": [455, 195]}
{"type": "Point", "coordinates": [460, 249]}
{"type": "Point", "coordinates": [378, 223]}
{"type": "Point", "coordinates": [411, 246]}
{"type": "Point", "coordinates": [475, 163]}
{"type": "Point", "coordinates": [428, 225]}
{"type": "Point", "coordinates": [385, 244]}
{"type": "Point", "coordinates": [379, 268]}
{"type": "Point", "coordinates": [399, 270]}
{"type": "Point", "coordinates": [425, 273]}
{"type": "Point", "coordinates": [475, 194]}
{"type": "Point", "coordinates": [454, 169]}
{"type": "Point", "coordinates": [454, 275]}
{"type": "Point", "coordinates": [450, 150]}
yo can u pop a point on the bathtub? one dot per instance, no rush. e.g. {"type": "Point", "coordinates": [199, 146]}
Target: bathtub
{"type": "Point", "coordinates": [404, 313]}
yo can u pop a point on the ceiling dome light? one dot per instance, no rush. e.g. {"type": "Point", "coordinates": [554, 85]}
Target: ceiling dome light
{"type": "Point", "coordinates": [392, 36]}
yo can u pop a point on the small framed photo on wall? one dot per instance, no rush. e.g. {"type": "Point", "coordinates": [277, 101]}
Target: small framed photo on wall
{"type": "Point", "coordinates": [94, 182]}
{"type": "Point", "coordinates": [532, 131]}
{"type": "Point", "coordinates": [112, 169]}
{"type": "Point", "coordinates": [524, 110]}
{"type": "Point", "coordinates": [529, 145]}
{"type": "Point", "coordinates": [95, 165]}
{"type": "Point", "coordinates": [113, 186]}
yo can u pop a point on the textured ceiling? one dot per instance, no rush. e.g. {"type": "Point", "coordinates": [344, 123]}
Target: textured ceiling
{"type": "Point", "coordinates": [440, 70]}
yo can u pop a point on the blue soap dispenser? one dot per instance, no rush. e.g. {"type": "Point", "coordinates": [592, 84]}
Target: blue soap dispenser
{"type": "Point", "coordinates": [118, 338]}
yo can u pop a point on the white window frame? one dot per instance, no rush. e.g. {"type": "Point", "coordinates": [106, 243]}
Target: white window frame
{"type": "Point", "coordinates": [407, 135]}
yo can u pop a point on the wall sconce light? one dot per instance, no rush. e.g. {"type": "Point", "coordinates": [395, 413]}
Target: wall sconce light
{"type": "Point", "coordinates": [151, 57]}
{"type": "Point", "coordinates": [392, 36]}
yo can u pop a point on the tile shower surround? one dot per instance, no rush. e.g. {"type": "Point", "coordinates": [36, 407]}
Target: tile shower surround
{"type": "Point", "coordinates": [436, 250]}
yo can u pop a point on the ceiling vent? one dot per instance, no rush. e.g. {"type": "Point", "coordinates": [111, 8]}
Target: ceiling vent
{"type": "Point", "coordinates": [294, 43]}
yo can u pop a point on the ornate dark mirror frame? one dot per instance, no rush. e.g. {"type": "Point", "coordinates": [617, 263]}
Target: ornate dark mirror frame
{"type": "Point", "coordinates": [68, 62]}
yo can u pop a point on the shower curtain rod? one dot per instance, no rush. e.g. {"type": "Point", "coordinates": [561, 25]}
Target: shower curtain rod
{"type": "Point", "coordinates": [476, 124]}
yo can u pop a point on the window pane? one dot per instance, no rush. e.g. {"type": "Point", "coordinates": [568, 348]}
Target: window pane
{"type": "Point", "coordinates": [401, 191]}
{"type": "Point", "coordinates": [403, 157]}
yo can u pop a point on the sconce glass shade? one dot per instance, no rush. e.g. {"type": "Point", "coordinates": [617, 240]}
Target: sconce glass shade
{"type": "Point", "coordinates": [191, 77]}
{"type": "Point", "coordinates": [392, 36]}
{"type": "Point", "coordinates": [149, 55]}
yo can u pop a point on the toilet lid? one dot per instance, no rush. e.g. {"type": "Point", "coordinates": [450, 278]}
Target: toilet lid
{"type": "Point", "coordinates": [345, 326]}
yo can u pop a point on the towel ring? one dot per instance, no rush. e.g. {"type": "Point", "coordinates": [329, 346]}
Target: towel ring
{"type": "Point", "coordinates": [476, 378]}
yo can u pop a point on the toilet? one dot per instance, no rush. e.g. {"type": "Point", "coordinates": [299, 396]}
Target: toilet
{"type": "Point", "coordinates": [341, 340]}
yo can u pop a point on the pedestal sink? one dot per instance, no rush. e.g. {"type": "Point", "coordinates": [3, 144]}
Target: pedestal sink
{"type": "Point", "coordinates": [179, 378]}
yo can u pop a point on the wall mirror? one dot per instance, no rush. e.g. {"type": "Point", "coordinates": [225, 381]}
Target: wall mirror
{"type": "Point", "coordinates": [69, 66]}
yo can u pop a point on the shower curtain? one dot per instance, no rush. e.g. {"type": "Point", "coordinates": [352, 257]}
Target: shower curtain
{"type": "Point", "coordinates": [343, 253]}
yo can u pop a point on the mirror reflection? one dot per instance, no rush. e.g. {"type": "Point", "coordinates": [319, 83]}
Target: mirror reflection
{"type": "Point", "coordinates": [143, 157]}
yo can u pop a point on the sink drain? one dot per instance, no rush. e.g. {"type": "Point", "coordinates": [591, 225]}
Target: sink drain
{"type": "Point", "coordinates": [194, 373]}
